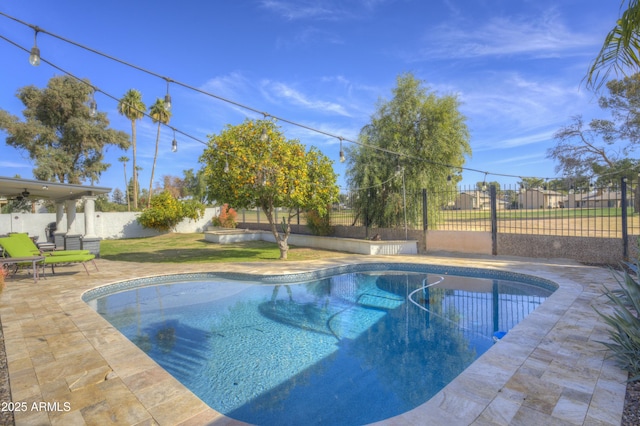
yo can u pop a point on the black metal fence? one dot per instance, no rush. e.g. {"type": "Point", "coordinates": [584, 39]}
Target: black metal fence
{"type": "Point", "coordinates": [611, 211]}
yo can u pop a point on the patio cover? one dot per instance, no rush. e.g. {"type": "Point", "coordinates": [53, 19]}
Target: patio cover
{"type": "Point", "coordinates": [43, 190]}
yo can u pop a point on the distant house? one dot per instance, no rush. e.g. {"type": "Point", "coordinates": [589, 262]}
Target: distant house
{"type": "Point", "coordinates": [537, 198]}
{"type": "Point", "coordinates": [597, 199]}
{"type": "Point", "coordinates": [472, 200]}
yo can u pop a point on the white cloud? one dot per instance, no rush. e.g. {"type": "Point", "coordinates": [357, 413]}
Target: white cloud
{"type": "Point", "coordinates": [278, 91]}
{"type": "Point", "coordinates": [527, 159]}
{"type": "Point", "coordinates": [321, 10]}
{"type": "Point", "coordinates": [14, 165]}
{"type": "Point", "coordinates": [229, 85]}
{"type": "Point", "coordinates": [509, 103]}
{"type": "Point", "coordinates": [309, 36]}
{"type": "Point", "coordinates": [295, 10]}
{"type": "Point", "coordinates": [542, 36]}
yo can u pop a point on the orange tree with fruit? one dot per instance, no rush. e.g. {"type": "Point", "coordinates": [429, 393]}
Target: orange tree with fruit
{"type": "Point", "coordinates": [253, 164]}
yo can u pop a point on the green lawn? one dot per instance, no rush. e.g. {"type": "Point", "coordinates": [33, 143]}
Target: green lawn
{"type": "Point", "coordinates": [192, 248]}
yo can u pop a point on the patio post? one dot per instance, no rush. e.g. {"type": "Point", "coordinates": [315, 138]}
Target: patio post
{"type": "Point", "coordinates": [58, 235]}
{"type": "Point", "coordinates": [89, 214]}
{"type": "Point", "coordinates": [90, 241]}
{"type": "Point", "coordinates": [71, 239]}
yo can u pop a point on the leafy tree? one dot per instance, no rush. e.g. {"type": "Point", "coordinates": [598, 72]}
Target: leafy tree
{"type": "Point", "coordinates": [132, 107]}
{"type": "Point", "coordinates": [161, 115]}
{"type": "Point", "coordinates": [23, 205]}
{"type": "Point", "coordinates": [319, 224]}
{"type": "Point", "coordinates": [594, 148]}
{"type": "Point", "coordinates": [532, 183]}
{"type": "Point", "coordinates": [484, 185]}
{"type": "Point", "coordinates": [621, 48]}
{"type": "Point", "coordinates": [118, 197]}
{"type": "Point", "coordinates": [253, 165]}
{"type": "Point", "coordinates": [174, 185]}
{"type": "Point", "coordinates": [167, 211]}
{"type": "Point", "coordinates": [431, 138]}
{"type": "Point", "coordinates": [59, 134]}
{"type": "Point", "coordinates": [124, 159]}
{"type": "Point", "coordinates": [195, 184]}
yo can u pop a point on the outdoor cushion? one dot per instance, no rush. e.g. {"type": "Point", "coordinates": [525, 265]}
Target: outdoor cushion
{"type": "Point", "coordinates": [27, 242]}
{"type": "Point", "coordinates": [14, 248]}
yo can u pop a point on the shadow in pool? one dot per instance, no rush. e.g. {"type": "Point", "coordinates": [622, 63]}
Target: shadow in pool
{"type": "Point", "coordinates": [177, 347]}
{"type": "Point", "coordinates": [377, 374]}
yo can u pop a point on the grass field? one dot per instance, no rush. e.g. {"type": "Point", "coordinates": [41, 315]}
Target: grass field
{"type": "Point", "coordinates": [581, 222]}
{"type": "Point", "coordinates": [192, 248]}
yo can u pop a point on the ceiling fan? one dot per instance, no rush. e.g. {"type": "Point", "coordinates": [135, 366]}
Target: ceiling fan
{"type": "Point", "coordinates": [21, 196]}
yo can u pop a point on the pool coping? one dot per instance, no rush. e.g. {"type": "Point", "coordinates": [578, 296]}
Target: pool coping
{"type": "Point", "coordinates": [549, 369]}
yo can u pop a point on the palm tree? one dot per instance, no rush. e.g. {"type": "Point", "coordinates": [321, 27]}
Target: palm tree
{"type": "Point", "coordinates": [161, 115]}
{"type": "Point", "coordinates": [124, 159]}
{"type": "Point", "coordinates": [621, 48]}
{"type": "Point", "coordinates": [132, 107]}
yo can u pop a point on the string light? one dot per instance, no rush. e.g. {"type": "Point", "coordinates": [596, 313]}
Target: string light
{"type": "Point", "coordinates": [93, 106]}
{"type": "Point", "coordinates": [96, 89]}
{"type": "Point", "coordinates": [167, 97]}
{"type": "Point", "coordinates": [35, 60]}
{"type": "Point", "coordinates": [174, 144]}
{"type": "Point", "coordinates": [34, 56]}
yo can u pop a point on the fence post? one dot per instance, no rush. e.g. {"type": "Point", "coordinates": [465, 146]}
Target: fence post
{"type": "Point", "coordinates": [494, 219]}
{"type": "Point", "coordinates": [625, 230]}
{"type": "Point", "coordinates": [425, 217]}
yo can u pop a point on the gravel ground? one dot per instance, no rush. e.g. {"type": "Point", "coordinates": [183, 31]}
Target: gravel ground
{"type": "Point", "coordinates": [631, 414]}
{"type": "Point", "coordinates": [6, 416]}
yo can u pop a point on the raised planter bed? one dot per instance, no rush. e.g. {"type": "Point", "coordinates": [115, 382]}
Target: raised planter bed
{"type": "Point", "coordinates": [230, 236]}
{"type": "Point", "coordinates": [350, 245]}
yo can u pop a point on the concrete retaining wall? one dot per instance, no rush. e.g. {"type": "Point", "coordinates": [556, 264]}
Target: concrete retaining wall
{"type": "Point", "coordinates": [350, 245]}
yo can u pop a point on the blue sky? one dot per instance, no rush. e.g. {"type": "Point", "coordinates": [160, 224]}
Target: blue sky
{"type": "Point", "coordinates": [516, 65]}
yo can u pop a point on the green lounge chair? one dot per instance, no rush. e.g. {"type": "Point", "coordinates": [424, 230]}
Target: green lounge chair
{"type": "Point", "coordinates": [27, 242]}
{"type": "Point", "coordinates": [14, 248]}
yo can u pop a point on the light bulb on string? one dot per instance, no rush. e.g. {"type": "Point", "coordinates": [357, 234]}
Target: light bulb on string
{"type": "Point", "coordinates": [34, 56]}
{"type": "Point", "coordinates": [264, 136]}
{"type": "Point", "coordinates": [167, 98]}
{"type": "Point", "coordinates": [174, 144]}
{"type": "Point", "coordinates": [93, 106]}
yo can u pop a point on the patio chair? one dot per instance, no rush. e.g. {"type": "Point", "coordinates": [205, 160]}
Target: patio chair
{"type": "Point", "coordinates": [28, 242]}
{"type": "Point", "coordinates": [14, 248]}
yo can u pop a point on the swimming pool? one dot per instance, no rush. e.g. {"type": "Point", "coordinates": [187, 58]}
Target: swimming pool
{"type": "Point", "coordinates": [350, 345]}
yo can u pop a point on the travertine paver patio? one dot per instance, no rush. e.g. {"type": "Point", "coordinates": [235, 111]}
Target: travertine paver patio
{"type": "Point", "coordinates": [547, 370]}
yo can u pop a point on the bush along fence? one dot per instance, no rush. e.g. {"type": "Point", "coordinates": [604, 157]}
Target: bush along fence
{"type": "Point", "coordinates": [535, 221]}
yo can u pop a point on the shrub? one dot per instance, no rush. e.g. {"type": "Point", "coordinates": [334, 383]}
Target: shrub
{"type": "Point", "coordinates": [226, 218]}
{"type": "Point", "coordinates": [319, 224]}
{"type": "Point", "coordinates": [3, 273]}
{"type": "Point", "coordinates": [166, 212]}
{"type": "Point", "coordinates": [625, 322]}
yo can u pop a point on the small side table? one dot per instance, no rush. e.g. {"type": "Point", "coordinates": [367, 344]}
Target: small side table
{"type": "Point", "coordinates": [15, 260]}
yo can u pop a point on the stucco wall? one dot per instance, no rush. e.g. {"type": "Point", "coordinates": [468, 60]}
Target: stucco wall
{"type": "Point", "coordinates": [459, 241]}
{"type": "Point", "coordinates": [583, 249]}
{"type": "Point", "coordinates": [107, 225]}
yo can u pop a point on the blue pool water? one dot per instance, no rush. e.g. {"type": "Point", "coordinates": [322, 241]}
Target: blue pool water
{"type": "Point", "coordinates": [344, 349]}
